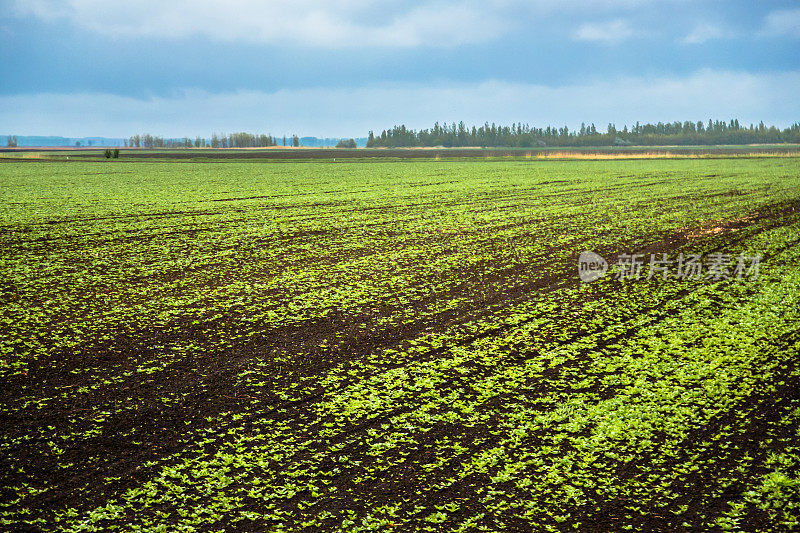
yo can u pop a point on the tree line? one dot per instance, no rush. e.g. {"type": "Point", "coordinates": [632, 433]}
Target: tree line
{"type": "Point", "coordinates": [525, 136]}
{"type": "Point", "coordinates": [232, 140]}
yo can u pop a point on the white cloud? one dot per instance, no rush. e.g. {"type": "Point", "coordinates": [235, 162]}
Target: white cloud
{"type": "Point", "coordinates": [610, 32]}
{"type": "Point", "coordinates": [702, 33]}
{"type": "Point", "coordinates": [352, 112]}
{"type": "Point", "coordinates": [782, 22]}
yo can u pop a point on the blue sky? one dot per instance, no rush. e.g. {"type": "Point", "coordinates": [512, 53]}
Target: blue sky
{"type": "Point", "coordinates": [343, 67]}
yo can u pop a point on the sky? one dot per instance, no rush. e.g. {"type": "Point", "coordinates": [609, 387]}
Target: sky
{"type": "Point", "coordinates": [340, 68]}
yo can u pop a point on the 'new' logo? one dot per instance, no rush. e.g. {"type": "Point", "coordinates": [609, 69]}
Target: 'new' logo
{"type": "Point", "coordinates": [591, 266]}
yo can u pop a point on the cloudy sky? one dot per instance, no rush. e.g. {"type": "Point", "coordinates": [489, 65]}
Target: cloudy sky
{"type": "Point", "coordinates": [343, 67]}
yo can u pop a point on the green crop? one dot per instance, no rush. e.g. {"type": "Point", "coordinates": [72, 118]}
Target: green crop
{"type": "Point", "coordinates": [396, 346]}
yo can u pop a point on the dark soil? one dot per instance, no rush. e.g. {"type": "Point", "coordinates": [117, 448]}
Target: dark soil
{"type": "Point", "coordinates": [141, 428]}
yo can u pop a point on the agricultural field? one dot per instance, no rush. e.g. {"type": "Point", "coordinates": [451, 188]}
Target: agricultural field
{"type": "Point", "coordinates": [283, 153]}
{"type": "Point", "coordinates": [405, 345]}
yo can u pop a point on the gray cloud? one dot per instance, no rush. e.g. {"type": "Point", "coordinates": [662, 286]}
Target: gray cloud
{"type": "Point", "coordinates": [335, 23]}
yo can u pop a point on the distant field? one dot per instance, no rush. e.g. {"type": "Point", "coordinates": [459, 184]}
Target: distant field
{"type": "Point", "coordinates": [279, 153]}
{"type": "Point", "coordinates": [397, 345]}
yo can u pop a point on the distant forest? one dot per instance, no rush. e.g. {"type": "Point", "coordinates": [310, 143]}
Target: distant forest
{"type": "Point", "coordinates": [525, 136]}
{"type": "Point", "coordinates": [233, 140]}
{"type": "Point", "coordinates": [237, 140]}
{"type": "Point", "coordinates": [514, 136]}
